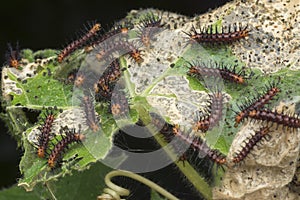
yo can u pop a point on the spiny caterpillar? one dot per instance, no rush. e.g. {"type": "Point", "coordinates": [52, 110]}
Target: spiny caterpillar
{"type": "Point", "coordinates": [200, 146]}
{"type": "Point", "coordinates": [89, 110]}
{"type": "Point", "coordinates": [124, 47]}
{"type": "Point", "coordinates": [258, 102]}
{"type": "Point", "coordinates": [13, 56]}
{"type": "Point", "coordinates": [250, 143]}
{"type": "Point", "coordinates": [291, 121]}
{"type": "Point", "coordinates": [105, 85]}
{"type": "Point", "coordinates": [199, 70]}
{"type": "Point", "coordinates": [120, 29]}
{"type": "Point", "coordinates": [196, 143]}
{"type": "Point", "coordinates": [119, 103]}
{"type": "Point", "coordinates": [78, 43]}
{"type": "Point", "coordinates": [59, 148]}
{"type": "Point", "coordinates": [216, 113]}
{"type": "Point", "coordinates": [44, 137]}
{"type": "Point", "coordinates": [148, 26]}
{"type": "Point", "coordinates": [206, 35]}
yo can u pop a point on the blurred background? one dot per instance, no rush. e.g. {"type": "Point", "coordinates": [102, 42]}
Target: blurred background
{"type": "Point", "coordinates": [37, 24]}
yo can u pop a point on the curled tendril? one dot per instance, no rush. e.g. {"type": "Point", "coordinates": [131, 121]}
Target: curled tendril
{"type": "Point", "coordinates": [113, 191]}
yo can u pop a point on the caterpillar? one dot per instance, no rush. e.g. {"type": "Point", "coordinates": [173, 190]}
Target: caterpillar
{"type": "Point", "coordinates": [76, 77]}
{"type": "Point", "coordinates": [148, 26]}
{"type": "Point", "coordinates": [79, 79]}
{"type": "Point", "coordinates": [123, 47]}
{"type": "Point", "coordinates": [13, 56]}
{"type": "Point", "coordinates": [59, 148]}
{"type": "Point", "coordinates": [89, 110]}
{"type": "Point", "coordinates": [78, 43]}
{"type": "Point", "coordinates": [200, 146]}
{"type": "Point", "coordinates": [196, 143]}
{"type": "Point", "coordinates": [199, 70]}
{"type": "Point", "coordinates": [151, 20]}
{"type": "Point", "coordinates": [104, 86]}
{"type": "Point", "coordinates": [166, 130]}
{"type": "Point", "coordinates": [71, 77]}
{"type": "Point", "coordinates": [119, 103]}
{"type": "Point", "coordinates": [216, 109]}
{"type": "Point", "coordinates": [206, 34]}
{"type": "Point", "coordinates": [291, 121]}
{"type": "Point", "coordinates": [44, 138]}
{"type": "Point", "coordinates": [121, 29]}
{"type": "Point", "coordinates": [258, 102]}
{"type": "Point", "coordinates": [250, 143]}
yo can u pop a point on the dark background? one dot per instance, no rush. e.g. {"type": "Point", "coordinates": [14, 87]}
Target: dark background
{"type": "Point", "coordinates": [37, 24]}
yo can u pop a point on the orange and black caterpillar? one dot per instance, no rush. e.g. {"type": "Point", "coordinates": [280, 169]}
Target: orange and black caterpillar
{"type": "Point", "coordinates": [259, 102]}
{"type": "Point", "coordinates": [167, 131]}
{"type": "Point", "coordinates": [89, 110]}
{"type": "Point", "coordinates": [59, 148]}
{"type": "Point", "coordinates": [147, 27]}
{"type": "Point", "coordinates": [78, 43]}
{"type": "Point", "coordinates": [216, 113]}
{"type": "Point", "coordinates": [162, 126]}
{"type": "Point", "coordinates": [199, 70]}
{"type": "Point", "coordinates": [13, 56]}
{"type": "Point", "coordinates": [290, 121]}
{"type": "Point", "coordinates": [119, 104]}
{"type": "Point", "coordinates": [250, 143]}
{"type": "Point", "coordinates": [119, 29]}
{"type": "Point", "coordinates": [196, 143]}
{"type": "Point", "coordinates": [78, 78]}
{"type": "Point", "coordinates": [44, 137]}
{"type": "Point", "coordinates": [206, 34]}
{"type": "Point", "coordinates": [151, 20]}
{"type": "Point", "coordinates": [104, 86]}
{"type": "Point", "coordinates": [200, 146]}
{"type": "Point", "coordinates": [105, 50]}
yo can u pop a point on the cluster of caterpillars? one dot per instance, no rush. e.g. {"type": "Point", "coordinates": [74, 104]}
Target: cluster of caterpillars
{"type": "Point", "coordinates": [99, 41]}
{"type": "Point", "coordinates": [108, 87]}
{"type": "Point", "coordinates": [50, 145]}
{"type": "Point", "coordinates": [103, 87]}
{"type": "Point", "coordinates": [254, 109]}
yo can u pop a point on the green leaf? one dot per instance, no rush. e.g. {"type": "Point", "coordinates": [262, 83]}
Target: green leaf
{"type": "Point", "coordinates": [87, 184]}
{"type": "Point", "coordinates": [42, 90]}
{"type": "Point", "coordinates": [41, 84]}
{"type": "Point", "coordinates": [18, 193]}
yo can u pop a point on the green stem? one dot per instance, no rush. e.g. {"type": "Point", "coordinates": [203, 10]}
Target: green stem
{"type": "Point", "coordinates": [141, 105]}
{"type": "Point", "coordinates": [189, 172]}
{"type": "Point", "coordinates": [126, 76]}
